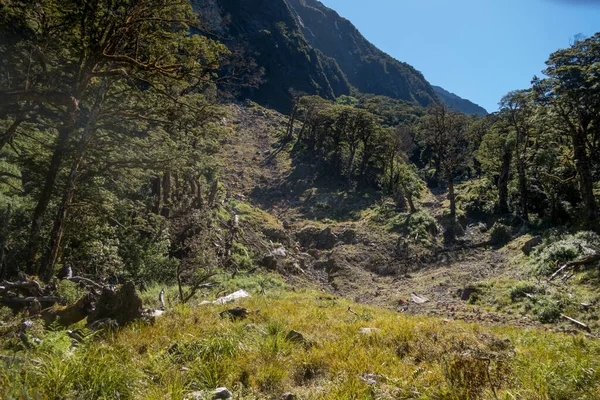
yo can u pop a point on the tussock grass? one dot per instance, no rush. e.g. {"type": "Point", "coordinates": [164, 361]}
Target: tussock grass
{"type": "Point", "coordinates": [192, 348]}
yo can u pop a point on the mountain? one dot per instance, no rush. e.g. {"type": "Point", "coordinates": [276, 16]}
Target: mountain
{"type": "Point", "coordinates": [367, 68]}
{"type": "Point", "coordinates": [458, 103]}
{"type": "Point", "coordinates": [267, 31]}
{"type": "Point", "coordinates": [305, 47]}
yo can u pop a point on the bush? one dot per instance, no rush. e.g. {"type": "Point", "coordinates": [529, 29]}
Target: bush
{"type": "Point", "coordinates": [500, 234]}
{"type": "Point", "coordinates": [518, 291]}
{"type": "Point", "coordinates": [547, 311]}
{"type": "Point", "coordinates": [547, 258]}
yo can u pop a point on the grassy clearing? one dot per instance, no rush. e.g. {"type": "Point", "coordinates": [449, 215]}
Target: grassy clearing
{"type": "Point", "coordinates": [192, 348]}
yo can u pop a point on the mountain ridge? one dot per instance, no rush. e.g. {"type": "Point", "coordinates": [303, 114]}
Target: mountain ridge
{"type": "Point", "coordinates": [306, 48]}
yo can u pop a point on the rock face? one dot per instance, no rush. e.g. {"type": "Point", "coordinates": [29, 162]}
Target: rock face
{"type": "Point", "coordinates": [305, 47]}
{"type": "Point", "coordinates": [366, 67]}
{"type": "Point", "coordinates": [458, 103]}
{"type": "Point", "coordinates": [269, 33]}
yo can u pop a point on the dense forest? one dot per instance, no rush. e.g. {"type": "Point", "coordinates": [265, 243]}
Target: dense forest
{"type": "Point", "coordinates": [115, 117]}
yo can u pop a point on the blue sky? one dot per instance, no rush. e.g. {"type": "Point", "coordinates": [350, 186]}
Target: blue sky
{"type": "Point", "coordinates": [478, 49]}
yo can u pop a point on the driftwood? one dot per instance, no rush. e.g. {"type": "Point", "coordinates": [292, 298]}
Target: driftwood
{"type": "Point", "coordinates": [578, 323]}
{"type": "Point", "coordinates": [577, 263]}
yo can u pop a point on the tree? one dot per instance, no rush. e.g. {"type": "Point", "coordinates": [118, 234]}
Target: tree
{"type": "Point", "coordinates": [68, 57]}
{"type": "Point", "coordinates": [572, 92]}
{"type": "Point", "coordinates": [517, 109]}
{"type": "Point", "coordinates": [445, 134]}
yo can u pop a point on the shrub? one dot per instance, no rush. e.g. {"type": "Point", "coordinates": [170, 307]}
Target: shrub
{"type": "Point", "coordinates": [500, 234]}
{"type": "Point", "coordinates": [520, 290]}
{"type": "Point", "coordinates": [547, 258]}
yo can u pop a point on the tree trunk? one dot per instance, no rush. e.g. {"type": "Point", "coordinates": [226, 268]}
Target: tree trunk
{"type": "Point", "coordinates": [400, 199]}
{"type": "Point", "coordinates": [292, 120]}
{"type": "Point", "coordinates": [11, 131]}
{"type": "Point", "coordinates": [3, 243]}
{"type": "Point", "coordinates": [350, 166]}
{"type": "Point", "coordinates": [451, 194]}
{"type": "Point", "coordinates": [503, 182]}
{"type": "Point", "coordinates": [584, 172]}
{"type": "Point", "coordinates": [523, 192]}
{"type": "Point", "coordinates": [166, 194]}
{"type": "Point", "coordinates": [156, 194]}
{"type": "Point", "coordinates": [51, 257]}
{"type": "Point", "coordinates": [64, 133]}
{"type": "Point", "coordinates": [411, 204]}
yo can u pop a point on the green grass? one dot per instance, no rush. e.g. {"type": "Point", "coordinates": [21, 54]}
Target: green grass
{"type": "Point", "coordinates": [412, 357]}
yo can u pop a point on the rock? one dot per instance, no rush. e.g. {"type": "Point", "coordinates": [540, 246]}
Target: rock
{"type": "Point", "coordinates": [368, 331]}
{"type": "Point", "coordinates": [279, 252]}
{"type": "Point", "coordinates": [222, 393]}
{"type": "Point", "coordinates": [270, 262]}
{"type": "Point", "coordinates": [295, 337]}
{"type": "Point", "coordinates": [313, 237]}
{"type": "Point", "coordinates": [235, 313]}
{"type": "Point", "coordinates": [349, 236]}
{"type": "Point", "coordinates": [288, 396]}
{"type": "Point", "coordinates": [277, 235]}
{"type": "Point", "coordinates": [415, 298]}
{"type": "Point", "coordinates": [240, 294]}
{"type": "Point", "coordinates": [531, 244]}
{"type": "Point", "coordinates": [467, 292]}
{"type": "Point", "coordinates": [371, 379]}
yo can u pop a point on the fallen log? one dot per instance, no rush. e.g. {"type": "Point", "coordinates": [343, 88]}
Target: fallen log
{"type": "Point", "coordinates": [577, 263]}
{"type": "Point", "coordinates": [31, 286]}
{"type": "Point", "coordinates": [578, 323]}
{"type": "Point", "coordinates": [85, 281]}
{"type": "Point", "coordinates": [29, 300]}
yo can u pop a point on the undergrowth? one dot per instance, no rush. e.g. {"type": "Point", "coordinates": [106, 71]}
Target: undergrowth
{"type": "Point", "coordinates": [192, 349]}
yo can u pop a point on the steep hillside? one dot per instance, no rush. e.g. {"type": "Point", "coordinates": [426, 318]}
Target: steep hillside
{"type": "Point", "coordinates": [368, 69]}
{"type": "Point", "coordinates": [268, 32]}
{"type": "Point", "coordinates": [458, 103]}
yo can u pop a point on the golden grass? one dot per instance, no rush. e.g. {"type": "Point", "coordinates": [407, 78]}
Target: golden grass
{"type": "Point", "coordinates": [191, 349]}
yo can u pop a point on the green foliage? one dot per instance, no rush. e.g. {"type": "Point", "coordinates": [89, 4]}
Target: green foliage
{"type": "Point", "coordinates": [500, 234]}
{"type": "Point", "coordinates": [559, 250]}
{"type": "Point", "coordinates": [477, 198]}
{"type": "Point", "coordinates": [521, 289]}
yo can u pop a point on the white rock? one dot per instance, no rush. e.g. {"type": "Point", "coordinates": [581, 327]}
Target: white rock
{"type": "Point", "coordinates": [240, 294]}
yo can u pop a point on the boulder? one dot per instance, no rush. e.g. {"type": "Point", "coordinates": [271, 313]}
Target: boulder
{"type": "Point", "coordinates": [235, 313]}
{"type": "Point", "coordinates": [295, 337]}
{"type": "Point", "coordinates": [270, 262]}
{"type": "Point", "coordinates": [313, 237]}
{"type": "Point", "coordinates": [531, 244]}
{"type": "Point", "coordinates": [222, 393]}
{"type": "Point", "coordinates": [279, 252]}
{"type": "Point", "coordinates": [467, 292]}
{"type": "Point", "coordinates": [240, 294]}
{"type": "Point", "coordinates": [349, 236]}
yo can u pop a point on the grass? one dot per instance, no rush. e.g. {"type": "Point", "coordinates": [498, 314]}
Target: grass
{"type": "Point", "coordinates": [192, 348]}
